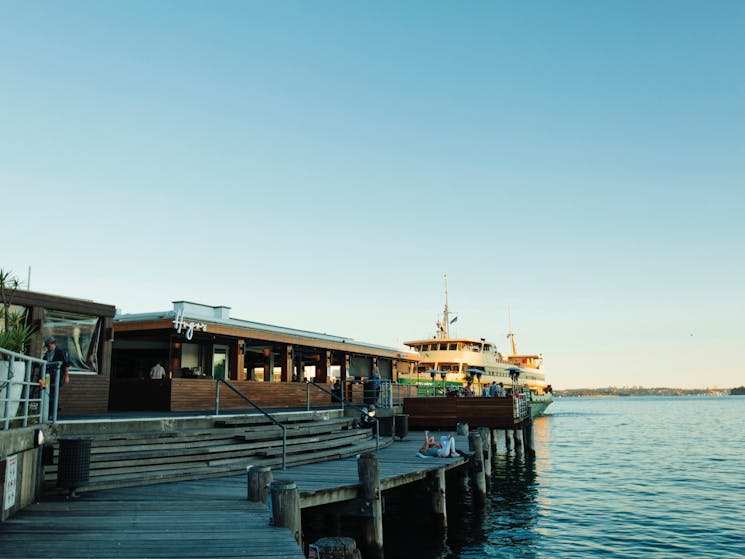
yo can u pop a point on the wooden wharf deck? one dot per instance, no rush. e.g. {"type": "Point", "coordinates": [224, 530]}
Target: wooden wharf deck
{"type": "Point", "coordinates": [209, 518]}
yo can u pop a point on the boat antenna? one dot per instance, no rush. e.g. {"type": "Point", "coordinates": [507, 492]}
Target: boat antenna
{"type": "Point", "coordinates": [511, 335]}
{"type": "Point", "coordinates": [442, 327]}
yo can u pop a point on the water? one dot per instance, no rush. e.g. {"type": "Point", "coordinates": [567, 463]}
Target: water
{"type": "Point", "coordinates": [613, 478]}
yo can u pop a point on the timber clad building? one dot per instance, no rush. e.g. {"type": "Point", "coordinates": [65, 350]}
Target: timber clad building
{"type": "Point", "coordinates": [197, 344]}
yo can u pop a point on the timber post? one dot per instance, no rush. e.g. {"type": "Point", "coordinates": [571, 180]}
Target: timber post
{"type": "Point", "coordinates": [439, 501]}
{"type": "Point", "coordinates": [258, 477]}
{"type": "Point", "coordinates": [476, 445]}
{"type": "Point", "coordinates": [485, 433]}
{"type": "Point", "coordinates": [528, 438]}
{"type": "Point", "coordinates": [516, 438]}
{"type": "Point", "coordinates": [462, 429]}
{"type": "Point", "coordinates": [507, 440]}
{"type": "Point", "coordinates": [286, 507]}
{"type": "Point", "coordinates": [368, 471]}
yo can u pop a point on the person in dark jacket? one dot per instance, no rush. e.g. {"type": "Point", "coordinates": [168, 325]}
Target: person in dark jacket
{"type": "Point", "coordinates": [56, 355]}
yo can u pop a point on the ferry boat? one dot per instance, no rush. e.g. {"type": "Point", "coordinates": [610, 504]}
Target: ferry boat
{"type": "Point", "coordinates": [449, 363]}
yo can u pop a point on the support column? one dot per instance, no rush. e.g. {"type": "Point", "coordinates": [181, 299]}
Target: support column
{"type": "Point", "coordinates": [528, 438]}
{"type": "Point", "coordinates": [240, 361]}
{"type": "Point", "coordinates": [439, 502]}
{"type": "Point", "coordinates": [372, 527]}
{"type": "Point", "coordinates": [268, 365]}
{"type": "Point", "coordinates": [516, 438]}
{"type": "Point", "coordinates": [322, 369]}
{"type": "Point", "coordinates": [343, 370]}
{"type": "Point", "coordinates": [285, 358]}
{"type": "Point", "coordinates": [485, 433]}
{"type": "Point", "coordinates": [507, 443]}
{"type": "Point", "coordinates": [476, 445]}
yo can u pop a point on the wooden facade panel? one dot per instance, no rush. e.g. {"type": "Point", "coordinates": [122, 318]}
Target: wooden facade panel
{"type": "Point", "coordinates": [85, 395]}
{"type": "Point", "coordinates": [446, 413]}
{"type": "Point", "coordinates": [199, 395]}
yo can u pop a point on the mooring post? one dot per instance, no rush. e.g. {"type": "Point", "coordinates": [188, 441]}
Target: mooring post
{"type": "Point", "coordinates": [528, 438]}
{"type": "Point", "coordinates": [476, 445]}
{"type": "Point", "coordinates": [507, 440]}
{"type": "Point", "coordinates": [493, 442]}
{"type": "Point", "coordinates": [462, 429]}
{"type": "Point", "coordinates": [439, 502]}
{"type": "Point", "coordinates": [485, 433]}
{"type": "Point", "coordinates": [258, 477]}
{"type": "Point", "coordinates": [286, 507]}
{"type": "Point", "coordinates": [516, 438]}
{"type": "Point", "coordinates": [368, 472]}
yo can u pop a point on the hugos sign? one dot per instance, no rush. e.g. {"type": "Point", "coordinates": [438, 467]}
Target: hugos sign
{"type": "Point", "coordinates": [179, 324]}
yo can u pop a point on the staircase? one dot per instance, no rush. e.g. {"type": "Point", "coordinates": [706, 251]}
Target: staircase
{"type": "Point", "coordinates": [157, 452]}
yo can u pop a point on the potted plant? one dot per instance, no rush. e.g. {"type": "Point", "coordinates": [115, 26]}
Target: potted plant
{"type": "Point", "coordinates": [15, 336]}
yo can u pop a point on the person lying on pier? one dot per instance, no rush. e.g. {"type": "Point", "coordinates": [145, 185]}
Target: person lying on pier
{"type": "Point", "coordinates": [446, 448]}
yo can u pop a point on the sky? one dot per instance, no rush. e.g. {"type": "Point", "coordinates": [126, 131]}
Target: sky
{"type": "Point", "coordinates": [577, 165]}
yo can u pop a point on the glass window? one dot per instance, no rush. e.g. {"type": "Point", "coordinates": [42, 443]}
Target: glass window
{"type": "Point", "coordinates": [78, 335]}
{"type": "Point", "coordinates": [453, 346]}
{"type": "Point", "coordinates": [443, 347]}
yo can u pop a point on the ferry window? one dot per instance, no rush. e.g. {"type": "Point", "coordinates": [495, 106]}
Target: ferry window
{"type": "Point", "coordinates": [443, 347]}
{"type": "Point", "coordinates": [424, 347]}
{"type": "Point", "coordinates": [452, 346]}
{"type": "Point", "coordinates": [487, 347]}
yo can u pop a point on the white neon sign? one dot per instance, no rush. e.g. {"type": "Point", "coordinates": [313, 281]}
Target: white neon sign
{"type": "Point", "coordinates": [179, 324]}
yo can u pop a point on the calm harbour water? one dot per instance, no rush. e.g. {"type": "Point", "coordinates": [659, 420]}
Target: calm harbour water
{"type": "Point", "coordinates": [613, 478]}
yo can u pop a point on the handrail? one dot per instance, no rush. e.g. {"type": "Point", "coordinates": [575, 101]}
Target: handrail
{"type": "Point", "coordinates": [266, 414]}
{"type": "Point", "coordinates": [350, 404]}
{"type": "Point", "coordinates": [24, 399]}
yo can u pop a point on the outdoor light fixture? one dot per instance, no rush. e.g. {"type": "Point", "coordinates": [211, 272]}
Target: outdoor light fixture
{"type": "Point", "coordinates": [38, 437]}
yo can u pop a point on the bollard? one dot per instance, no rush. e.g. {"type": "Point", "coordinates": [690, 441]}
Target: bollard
{"type": "Point", "coordinates": [368, 472]}
{"type": "Point", "coordinates": [476, 445]}
{"type": "Point", "coordinates": [258, 477]}
{"type": "Point", "coordinates": [286, 507]}
{"type": "Point", "coordinates": [528, 438]}
{"type": "Point", "coordinates": [334, 548]}
{"type": "Point", "coordinates": [462, 429]}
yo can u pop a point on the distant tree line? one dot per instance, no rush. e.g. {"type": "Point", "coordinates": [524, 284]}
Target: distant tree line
{"type": "Point", "coordinates": [640, 391]}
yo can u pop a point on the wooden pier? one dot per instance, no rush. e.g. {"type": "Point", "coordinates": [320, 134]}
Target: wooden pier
{"type": "Point", "coordinates": [203, 518]}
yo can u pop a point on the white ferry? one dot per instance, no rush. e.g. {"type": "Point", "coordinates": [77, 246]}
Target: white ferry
{"type": "Point", "coordinates": [451, 363]}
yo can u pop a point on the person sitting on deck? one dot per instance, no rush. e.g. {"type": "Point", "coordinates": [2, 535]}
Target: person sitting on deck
{"type": "Point", "coordinates": [367, 418]}
{"type": "Point", "coordinates": [446, 448]}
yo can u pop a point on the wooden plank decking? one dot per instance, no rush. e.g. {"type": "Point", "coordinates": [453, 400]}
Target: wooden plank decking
{"type": "Point", "coordinates": [208, 518]}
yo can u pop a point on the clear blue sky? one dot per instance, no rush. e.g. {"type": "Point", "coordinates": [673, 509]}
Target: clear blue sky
{"type": "Point", "coordinates": [322, 165]}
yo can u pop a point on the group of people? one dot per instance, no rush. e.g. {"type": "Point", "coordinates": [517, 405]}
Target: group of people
{"type": "Point", "coordinates": [488, 390]}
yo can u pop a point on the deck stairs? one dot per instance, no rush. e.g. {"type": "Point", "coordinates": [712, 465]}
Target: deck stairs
{"type": "Point", "coordinates": [147, 453]}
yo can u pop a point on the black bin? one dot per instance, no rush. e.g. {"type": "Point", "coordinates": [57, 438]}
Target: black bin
{"type": "Point", "coordinates": [402, 425]}
{"type": "Point", "coordinates": [74, 466]}
{"type": "Point", "coordinates": [385, 424]}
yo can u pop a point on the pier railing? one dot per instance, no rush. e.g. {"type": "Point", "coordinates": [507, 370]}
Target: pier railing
{"type": "Point", "coordinates": [26, 386]}
{"type": "Point", "coordinates": [258, 408]}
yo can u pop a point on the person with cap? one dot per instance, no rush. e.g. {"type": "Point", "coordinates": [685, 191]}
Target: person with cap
{"type": "Point", "coordinates": [55, 355]}
{"type": "Point", "coordinates": [367, 418]}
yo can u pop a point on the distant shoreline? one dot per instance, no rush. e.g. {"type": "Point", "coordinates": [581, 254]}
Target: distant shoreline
{"type": "Point", "coordinates": [638, 391]}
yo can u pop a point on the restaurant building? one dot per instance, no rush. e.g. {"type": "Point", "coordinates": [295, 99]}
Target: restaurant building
{"type": "Point", "coordinates": [198, 344]}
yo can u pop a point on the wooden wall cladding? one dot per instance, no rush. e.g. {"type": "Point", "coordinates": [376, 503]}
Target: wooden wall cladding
{"type": "Point", "coordinates": [85, 395]}
{"type": "Point", "coordinates": [199, 395]}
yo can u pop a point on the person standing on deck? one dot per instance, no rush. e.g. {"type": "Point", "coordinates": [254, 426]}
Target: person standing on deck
{"type": "Point", "coordinates": [157, 372]}
{"type": "Point", "coordinates": [376, 384]}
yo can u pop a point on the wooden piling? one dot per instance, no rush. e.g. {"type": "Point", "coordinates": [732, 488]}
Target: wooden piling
{"type": "Point", "coordinates": [493, 434]}
{"type": "Point", "coordinates": [439, 502]}
{"type": "Point", "coordinates": [516, 439]}
{"type": "Point", "coordinates": [507, 443]}
{"type": "Point", "coordinates": [462, 429]}
{"type": "Point", "coordinates": [258, 477]}
{"type": "Point", "coordinates": [476, 445]}
{"type": "Point", "coordinates": [528, 438]}
{"type": "Point", "coordinates": [286, 507]}
{"type": "Point", "coordinates": [485, 433]}
{"type": "Point", "coordinates": [372, 526]}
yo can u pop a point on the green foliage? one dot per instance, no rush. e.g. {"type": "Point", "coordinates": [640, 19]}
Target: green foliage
{"type": "Point", "coordinates": [15, 334]}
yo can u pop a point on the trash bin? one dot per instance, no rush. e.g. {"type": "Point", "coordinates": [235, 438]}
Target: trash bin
{"type": "Point", "coordinates": [74, 466]}
{"type": "Point", "coordinates": [402, 425]}
{"type": "Point", "coordinates": [386, 426]}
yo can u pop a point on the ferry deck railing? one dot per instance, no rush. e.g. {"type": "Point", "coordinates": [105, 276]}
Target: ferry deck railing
{"type": "Point", "coordinates": [24, 400]}
{"type": "Point", "coordinates": [258, 408]}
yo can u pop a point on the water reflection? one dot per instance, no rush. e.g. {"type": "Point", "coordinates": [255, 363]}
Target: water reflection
{"type": "Point", "coordinates": [505, 525]}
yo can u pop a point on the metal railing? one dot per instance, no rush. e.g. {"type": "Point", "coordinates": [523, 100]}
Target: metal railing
{"type": "Point", "coordinates": [24, 397]}
{"type": "Point", "coordinates": [257, 407]}
{"type": "Point", "coordinates": [335, 396]}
